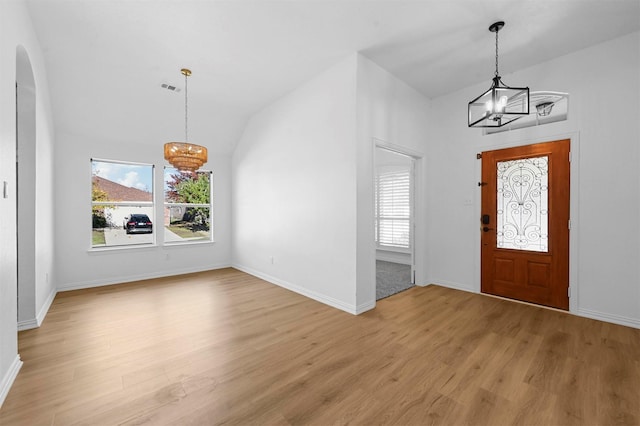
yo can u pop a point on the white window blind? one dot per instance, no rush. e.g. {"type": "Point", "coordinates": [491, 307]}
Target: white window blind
{"type": "Point", "coordinates": [393, 209]}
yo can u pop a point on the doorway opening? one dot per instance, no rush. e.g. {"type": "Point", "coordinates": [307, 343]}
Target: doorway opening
{"type": "Point", "coordinates": [394, 222]}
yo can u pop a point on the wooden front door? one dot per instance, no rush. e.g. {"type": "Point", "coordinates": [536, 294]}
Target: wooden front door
{"type": "Point", "coordinates": [525, 223]}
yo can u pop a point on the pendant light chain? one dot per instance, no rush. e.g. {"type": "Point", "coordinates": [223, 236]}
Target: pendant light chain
{"type": "Point", "coordinates": [501, 104]}
{"type": "Point", "coordinates": [497, 75]}
{"type": "Point", "coordinates": [186, 103]}
{"type": "Point", "coordinates": [185, 156]}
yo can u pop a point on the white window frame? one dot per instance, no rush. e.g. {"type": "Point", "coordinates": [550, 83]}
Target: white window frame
{"type": "Point", "coordinates": [404, 174]}
{"type": "Point", "coordinates": [134, 204]}
{"type": "Point", "coordinates": [190, 205]}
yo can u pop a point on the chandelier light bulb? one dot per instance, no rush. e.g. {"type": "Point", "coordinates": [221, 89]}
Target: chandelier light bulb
{"type": "Point", "coordinates": [502, 104]}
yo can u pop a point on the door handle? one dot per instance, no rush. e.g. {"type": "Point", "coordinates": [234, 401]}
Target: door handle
{"type": "Point", "coordinates": [486, 229]}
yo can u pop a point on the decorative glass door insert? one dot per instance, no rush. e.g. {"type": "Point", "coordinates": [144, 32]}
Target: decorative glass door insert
{"type": "Point", "coordinates": [522, 196]}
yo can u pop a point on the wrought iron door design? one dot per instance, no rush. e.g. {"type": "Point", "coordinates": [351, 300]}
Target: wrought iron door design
{"type": "Point", "coordinates": [522, 197]}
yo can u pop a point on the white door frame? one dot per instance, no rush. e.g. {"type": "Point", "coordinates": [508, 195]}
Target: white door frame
{"type": "Point", "coordinates": [573, 208]}
{"type": "Point", "coordinates": [418, 207]}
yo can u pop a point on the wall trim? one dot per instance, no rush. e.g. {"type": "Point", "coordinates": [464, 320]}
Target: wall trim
{"type": "Point", "coordinates": [453, 285]}
{"type": "Point", "coordinates": [580, 312]}
{"type": "Point", "coordinates": [28, 324]}
{"type": "Point", "coordinates": [37, 321]}
{"type": "Point", "coordinates": [45, 307]}
{"type": "Point", "coordinates": [9, 378]}
{"type": "Point", "coordinates": [364, 307]}
{"type": "Point", "coordinates": [140, 277]}
{"type": "Point", "coordinates": [401, 149]}
{"type": "Point", "coordinates": [335, 303]}
{"type": "Point", "coordinates": [613, 318]}
{"type": "Point", "coordinates": [419, 256]}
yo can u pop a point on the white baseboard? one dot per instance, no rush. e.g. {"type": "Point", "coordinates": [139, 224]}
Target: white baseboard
{"type": "Point", "coordinates": [364, 307]}
{"type": "Point", "coordinates": [335, 303]}
{"type": "Point", "coordinates": [37, 321]}
{"type": "Point", "coordinates": [140, 277]}
{"type": "Point", "coordinates": [46, 306]}
{"type": "Point", "coordinates": [28, 324]}
{"type": "Point", "coordinates": [9, 378]}
{"type": "Point", "coordinates": [616, 319]}
{"type": "Point", "coordinates": [453, 285]}
{"type": "Point", "coordinates": [581, 312]}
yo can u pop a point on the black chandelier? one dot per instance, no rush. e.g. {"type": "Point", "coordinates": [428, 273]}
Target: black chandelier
{"type": "Point", "coordinates": [500, 104]}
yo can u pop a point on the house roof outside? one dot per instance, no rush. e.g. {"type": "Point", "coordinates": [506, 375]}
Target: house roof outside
{"type": "Point", "coordinates": [117, 192]}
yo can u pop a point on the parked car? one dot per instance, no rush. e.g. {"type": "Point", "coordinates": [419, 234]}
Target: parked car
{"type": "Point", "coordinates": [137, 223]}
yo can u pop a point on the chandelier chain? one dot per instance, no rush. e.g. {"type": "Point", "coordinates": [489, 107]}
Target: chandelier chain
{"type": "Point", "coordinates": [497, 75]}
{"type": "Point", "coordinates": [186, 115]}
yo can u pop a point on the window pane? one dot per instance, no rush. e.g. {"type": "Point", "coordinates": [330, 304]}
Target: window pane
{"type": "Point", "coordinates": [393, 232]}
{"type": "Point", "coordinates": [114, 181]}
{"type": "Point", "coordinates": [187, 209]}
{"type": "Point", "coordinates": [523, 204]}
{"type": "Point", "coordinates": [186, 187]}
{"type": "Point", "coordinates": [121, 203]}
{"type": "Point", "coordinates": [126, 225]}
{"type": "Point", "coordinates": [183, 224]}
{"type": "Point", "coordinates": [393, 208]}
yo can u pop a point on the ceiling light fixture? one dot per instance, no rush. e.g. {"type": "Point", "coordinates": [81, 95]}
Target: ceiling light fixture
{"type": "Point", "coordinates": [500, 104]}
{"type": "Point", "coordinates": [185, 156]}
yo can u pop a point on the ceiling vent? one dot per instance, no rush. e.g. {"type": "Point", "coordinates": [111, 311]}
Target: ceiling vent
{"type": "Point", "coordinates": [170, 87]}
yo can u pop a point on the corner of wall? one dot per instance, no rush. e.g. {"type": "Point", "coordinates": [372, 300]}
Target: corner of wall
{"type": "Point", "coordinates": [9, 378]}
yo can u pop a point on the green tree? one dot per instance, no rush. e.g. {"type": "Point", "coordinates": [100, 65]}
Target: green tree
{"type": "Point", "coordinates": [99, 217]}
{"type": "Point", "coordinates": [191, 188]}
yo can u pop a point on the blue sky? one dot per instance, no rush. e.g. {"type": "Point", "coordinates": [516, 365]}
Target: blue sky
{"type": "Point", "coordinates": [138, 176]}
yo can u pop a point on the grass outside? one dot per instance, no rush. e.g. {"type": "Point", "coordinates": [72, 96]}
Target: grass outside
{"type": "Point", "coordinates": [183, 230]}
{"type": "Point", "coordinates": [97, 238]}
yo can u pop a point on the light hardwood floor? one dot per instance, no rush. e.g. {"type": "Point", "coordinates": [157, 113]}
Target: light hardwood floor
{"type": "Point", "coordinates": [223, 347]}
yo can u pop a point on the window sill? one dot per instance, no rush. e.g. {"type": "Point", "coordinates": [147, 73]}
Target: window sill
{"type": "Point", "coordinates": [116, 249]}
{"type": "Point", "coordinates": [146, 247]}
{"type": "Point", "coordinates": [187, 243]}
{"type": "Point", "coordinates": [394, 249]}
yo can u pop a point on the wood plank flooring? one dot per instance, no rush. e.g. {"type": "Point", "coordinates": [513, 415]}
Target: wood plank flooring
{"type": "Point", "coordinates": [223, 347]}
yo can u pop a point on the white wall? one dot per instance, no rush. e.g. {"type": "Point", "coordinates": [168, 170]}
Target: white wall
{"type": "Point", "coordinates": [26, 186]}
{"type": "Point", "coordinates": [604, 86]}
{"type": "Point", "coordinates": [294, 188]}
{"type": "Point", "coordinates": [392, 113]}
{"type": "Point", "coordinates": [303, 181]}
{"type": "Point", "coordinates": [15, 30]}
{"type": "Point", "coordinates": [79, 266]}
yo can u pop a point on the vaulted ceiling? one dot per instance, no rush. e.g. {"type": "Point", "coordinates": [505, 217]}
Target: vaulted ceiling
{"type": "Point", "coordinates": [106, 59]}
